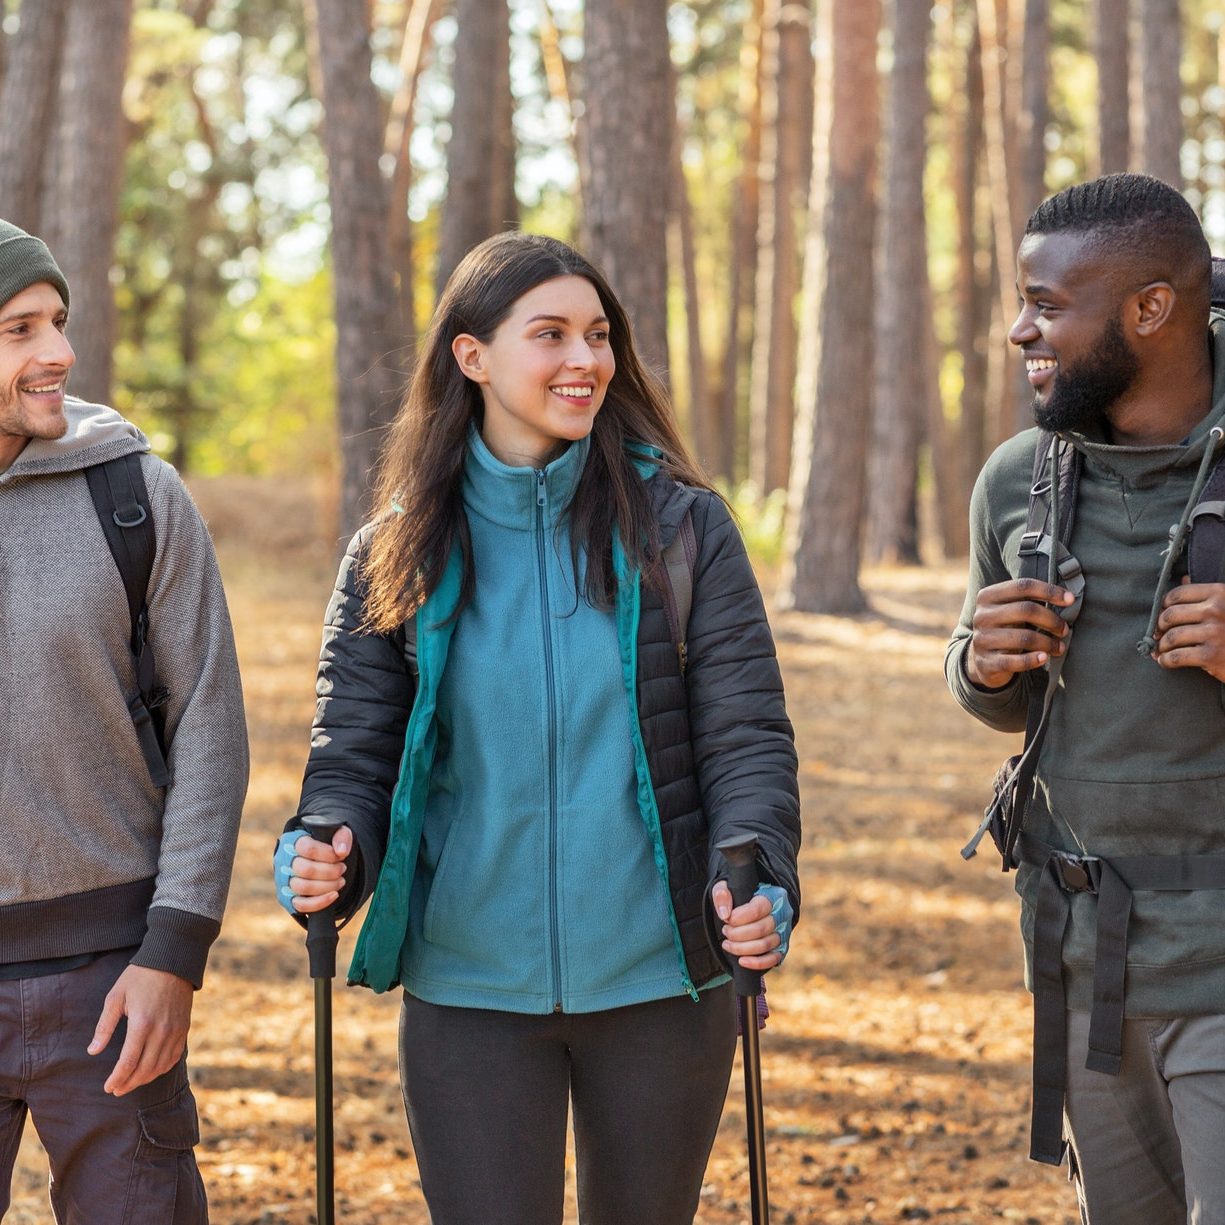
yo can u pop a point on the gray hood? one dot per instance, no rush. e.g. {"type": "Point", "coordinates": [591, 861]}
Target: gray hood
{"type": "Point", "coordinates": [95, 434]}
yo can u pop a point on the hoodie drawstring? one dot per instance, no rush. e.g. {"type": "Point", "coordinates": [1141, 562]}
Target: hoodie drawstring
{"type": "Point", "coordinates": [1148, 644]}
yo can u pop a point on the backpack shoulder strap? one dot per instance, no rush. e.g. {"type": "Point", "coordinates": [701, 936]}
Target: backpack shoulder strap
{"type": "Point", "coordinates": [1052, 495]}
{"type": "Point", "coordinates": [679, 559]}
{"type": "Point", "coordinates": [121, 500]}
{"type": "Point", "coordinates": [1206, 538]}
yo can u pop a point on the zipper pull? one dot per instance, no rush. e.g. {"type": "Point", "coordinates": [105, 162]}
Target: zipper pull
{"type": "Point", "coordinates": [540, 487]}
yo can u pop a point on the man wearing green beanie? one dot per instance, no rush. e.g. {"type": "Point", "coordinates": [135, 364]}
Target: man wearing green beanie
{"type": "Point", "coordinates": [119, 855]}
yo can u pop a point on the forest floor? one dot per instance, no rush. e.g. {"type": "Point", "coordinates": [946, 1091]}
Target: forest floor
{"type": "Point", "coordinates": [895, 1063]}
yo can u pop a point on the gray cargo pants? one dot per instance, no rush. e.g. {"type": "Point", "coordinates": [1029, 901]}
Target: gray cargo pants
{"type": "Point", "coordinates": [114, 1160]}
{"type": "Point", "coordinates": [1148, 1145]}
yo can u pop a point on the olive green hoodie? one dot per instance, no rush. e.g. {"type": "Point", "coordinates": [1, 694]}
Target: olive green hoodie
{"type": "Point", "coordinates": [1134, 757]}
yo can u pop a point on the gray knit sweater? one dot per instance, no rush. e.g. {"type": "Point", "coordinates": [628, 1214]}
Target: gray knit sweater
{"type": "Point", "coordinates": [96, 856]}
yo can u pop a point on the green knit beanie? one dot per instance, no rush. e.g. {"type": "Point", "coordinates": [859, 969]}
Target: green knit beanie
{"type": "Point", "coordinates": [25, 261]}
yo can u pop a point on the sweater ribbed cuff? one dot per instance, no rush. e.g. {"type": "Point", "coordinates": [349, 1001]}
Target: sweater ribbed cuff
{"type": "Point", "coordinates": [177, 942]}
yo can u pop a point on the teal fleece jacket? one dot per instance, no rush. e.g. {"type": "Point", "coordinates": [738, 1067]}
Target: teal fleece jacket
{"type": "Point", "coordinates": [1134, 758]}
{"type": "Point", "coordinates": [533, 780]}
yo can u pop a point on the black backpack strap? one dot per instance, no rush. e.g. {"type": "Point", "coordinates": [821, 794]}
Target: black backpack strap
{"type": "Point", "coordinates": [1043, 555]}
{"type": "Point", "coordinates": [679, 559]}
{"type": "Point", "coordinates": [1206, 535]}
{"type": "Point", "coordinates": [122, 502]}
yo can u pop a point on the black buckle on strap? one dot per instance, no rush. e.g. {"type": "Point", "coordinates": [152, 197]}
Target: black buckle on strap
{"type": "Point", "coordinates": [1029, 543]}
{"type": "Point", "coordinates": [1078, 873]}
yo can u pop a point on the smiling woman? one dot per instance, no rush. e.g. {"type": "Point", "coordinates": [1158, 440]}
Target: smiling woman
{"type": "Point", "coordinates": [544, 372]}
{"type": "Point", "coordinates": [518, 751]}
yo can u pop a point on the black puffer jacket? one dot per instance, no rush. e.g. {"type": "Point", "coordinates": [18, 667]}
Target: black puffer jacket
{"type": "Point", "coordinates": [719, 743]}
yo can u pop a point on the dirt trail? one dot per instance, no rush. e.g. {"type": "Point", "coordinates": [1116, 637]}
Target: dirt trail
{"type": "Point", "coordinates": [895, 1062]}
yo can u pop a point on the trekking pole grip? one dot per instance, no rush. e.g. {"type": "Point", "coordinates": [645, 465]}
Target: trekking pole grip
{"type": "Point", "coordinates": [741, 855]}
{"type": "Point", "coordinates": [321, 937]}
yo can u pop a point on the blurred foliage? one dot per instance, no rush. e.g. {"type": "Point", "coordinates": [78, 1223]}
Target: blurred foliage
{"type": "Point", "coordinates": [760, 519]}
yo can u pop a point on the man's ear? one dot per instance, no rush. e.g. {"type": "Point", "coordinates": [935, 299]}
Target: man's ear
{"type": "Point", "coordinates": [470, 357]}
{"type": "Point", "coordinates": [1151, 307]}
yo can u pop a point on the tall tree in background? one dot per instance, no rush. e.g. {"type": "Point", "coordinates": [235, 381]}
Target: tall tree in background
{"type": "Point", "coordinates": [368, 370]}
{"type": "Point", "coordinates": [628, 110]}
{"type": "Point", "coordinates": [480, 153]}
{"type": "Point", "coordinates": [27, 102]}
{"type": "Point", "coordinates": [738, 334]}
{"type": "Point", "coordinates": [80, 212]}
{"type": "Point", "coordinates": [786, 142]}
{"type": "Point", "coordinates": [396, 145]}
{"type": "Point", "coordinates": [1034, 110]}
{"type": "Point", "coordinates": [972, 285]}
{"type": "Point", "coordinates": [905, 339]}
{"type": "Point", "coordinates": [821, 564]}
{"type": "Point", "coordinates": [1113, 114]}
{"type": "Point", "coordinates": [1161, 55]}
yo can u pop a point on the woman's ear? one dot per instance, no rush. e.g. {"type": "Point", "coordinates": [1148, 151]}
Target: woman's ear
{"type": "Point", "coordinates": [470, 357]}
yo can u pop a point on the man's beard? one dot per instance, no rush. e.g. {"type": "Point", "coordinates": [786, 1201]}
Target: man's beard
{"type": "Point", "coordinates": [1081, 393]}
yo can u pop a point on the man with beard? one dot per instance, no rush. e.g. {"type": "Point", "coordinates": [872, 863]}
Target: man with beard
{"type": "Point", "coordinates": [116, 858]}
{"type": "Point", "coordinates": [1121, 855]}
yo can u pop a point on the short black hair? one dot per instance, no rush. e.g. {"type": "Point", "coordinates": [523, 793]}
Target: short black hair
{"type": "Point", "coordinates": [1147, 227]}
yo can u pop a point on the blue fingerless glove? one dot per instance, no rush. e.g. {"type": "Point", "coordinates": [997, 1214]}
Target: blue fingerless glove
{"type": "Point", "coordinates": [282, 869]}
{"type": "Point", "coordinates": [780, 908]}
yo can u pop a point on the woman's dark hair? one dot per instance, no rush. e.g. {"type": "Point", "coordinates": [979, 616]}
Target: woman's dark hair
{"type": "Point", "coordinates": [421, 467]}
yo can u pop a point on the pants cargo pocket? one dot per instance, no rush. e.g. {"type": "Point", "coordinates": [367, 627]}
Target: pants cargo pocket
{"type": "Point", "coordinates": [165, 1187]}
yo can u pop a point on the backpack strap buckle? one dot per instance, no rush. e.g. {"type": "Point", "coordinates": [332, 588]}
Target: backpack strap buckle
{"type": "Point", "coordinates": [1077, 873]}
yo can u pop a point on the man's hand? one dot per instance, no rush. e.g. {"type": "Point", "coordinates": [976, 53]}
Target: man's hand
{"type": "Point", "coordinates": [1191, 628]}
{"type": "Point", "coordinates": [158, 1008]}
{"type": "Point", "coordinates": [1014, 630]}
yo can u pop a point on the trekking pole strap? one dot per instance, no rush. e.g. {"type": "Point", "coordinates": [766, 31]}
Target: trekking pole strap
{"type": "Point", "coordinates": [1113, 881]}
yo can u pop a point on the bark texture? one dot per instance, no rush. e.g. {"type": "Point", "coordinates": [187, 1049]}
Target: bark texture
{"type": "Point", "coordinates": [1161, 52]}
{"type": "Point", "coordinates": [904, 339]}
{"type": "Point", "coordinates": [1113, 115]}
{"type": "Point", "coordinates": [480, 152]}
{"type": "Point", "coordinates": [81, 206]}
{"type": "Point", "coordinates": [369, 377]}
{"type": "Point", "coordinates": [821, 571]}
{"type": "Point", "coordinates": [628, 120]}
{"type": "Point", "coordinates": [27, 102]}
{"type": "Point", "coordinates": [787, 105]}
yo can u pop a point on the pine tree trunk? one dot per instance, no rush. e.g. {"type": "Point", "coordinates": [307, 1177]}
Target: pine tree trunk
{"type": "Point", "coordinates": [821, 567]}
{"type": "Point", "coordinates": [1161, 52]}
{"type": "Point", "coordinates": [480, 152]}
{"type": "Point", "coordinates": [787, 103]}
{"type": "Point", "coordinates": [369, 379]}
{"type": "Point", "coordinates": [1113, 114]}
{"type": "Point", "coordinates": [738, 333]}
{"type": "Point", "coordinates": [419, 24]}
{"type": "Point", "coordinates": [972, 290]}
{"type": "Point", "coordinates": [629, 105]}
{"type": "Point", "coordinates": [703, 417]}
{"type": "Point", "coordinates": [27, 102]}
{"type": "Point", "coordinates": [1034, 110]}
{"type": "Point", "coordinates": [904, 335]}
{"type": "Point", "coordinates": [81, 211]}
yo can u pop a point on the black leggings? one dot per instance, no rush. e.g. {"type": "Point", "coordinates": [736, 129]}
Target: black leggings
{"type": "Point", "coordinates": [486, 1095]}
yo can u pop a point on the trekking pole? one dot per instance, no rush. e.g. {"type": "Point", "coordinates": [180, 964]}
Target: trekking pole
{"type": "Point", "coordinates": [741, 856]}
{"type": "Point", "coordinates": [321, 942]}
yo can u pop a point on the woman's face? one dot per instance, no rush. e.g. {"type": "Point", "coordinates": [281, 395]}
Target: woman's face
{"type": "Point", "coordinates": [543, 373]}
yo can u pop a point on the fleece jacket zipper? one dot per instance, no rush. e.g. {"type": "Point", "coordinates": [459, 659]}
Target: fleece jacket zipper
{"type": "Point", "coordinates": [551, 708]}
